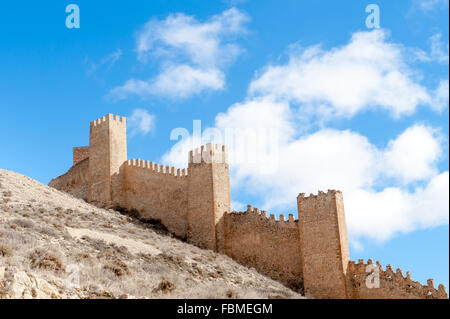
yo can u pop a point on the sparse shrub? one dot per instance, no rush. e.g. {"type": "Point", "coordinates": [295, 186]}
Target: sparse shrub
{"type": "Point", "coordinates": [117, 266]}
{"type": "Point", "coordinates": [7, 194]}
{"type": "Point", "coordinates": [5, 250]}
{"type": "Point", "coordinates": [231, 294]}
{"type": "Point", "coordinates": [23, 223]}
{"type": "Point", "coordinates": [46, 259]}
{"type": "Point", "coordinates": [165, 286]}
{"type": "Point", "coordinates": [82, 256]}
{"type": "Point", "coordinates": [174, 260]}
{"type": "Point", "coordinates": [195, 270]}
{"type": "Point", "coordinates": [97, 244]}
{"type": "Point", "coordinates": [47, 231]}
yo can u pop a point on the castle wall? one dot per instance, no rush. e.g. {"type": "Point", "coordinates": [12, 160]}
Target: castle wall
{"type": "Point", "coordinates": [75, 181]}
{"type": "Point", "coordinates": [324, 246]}
{"type": "Point", "coordinates": [272, 247]}
{"type": "Point", "coordinates": [209, 196]}
{"type": "Point", "coordinates": [311, 253]}
{"type": "Point", "coordinates": [370, 281]}
{"type": "Point", "coordinates": [80, 154]}
{"type": "Point", "coordinates": [157, 192]}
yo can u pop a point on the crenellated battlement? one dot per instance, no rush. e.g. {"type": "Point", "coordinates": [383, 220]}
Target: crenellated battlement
{"type": "Point", "coordinates": [209, 153]}
{"type": "Point", "coordinates": [320, 195]}
{"type": "Point", "coordinates": [395, 283]}
{"type": "Point", "coordinates": [261, 216]}
{"type": "Point", "coordinates": [158, 168]}
{"type": "Point", "coordinates": [107, 119]}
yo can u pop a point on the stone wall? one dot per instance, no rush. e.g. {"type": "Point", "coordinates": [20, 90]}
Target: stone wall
{"type": "Point", "coordinates": [158, 193]}
{"type": "Point", "coordinates": [80, 154]}
{"type": "Point", "coordinates": [270, 246]}
{"type": "Point", "coordinates": [75, 181]}
{"type": "Point", "coordinates": [370, 281]}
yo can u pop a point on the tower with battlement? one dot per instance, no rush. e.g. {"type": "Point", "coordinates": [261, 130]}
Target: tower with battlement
{"type": "Point", "coordinates": [324, 245]}
{"type": "Point", "coordinates": [309, 254]}
{"type": "Point", "coordinates": [107, 153]}
{"type": "Point", "coordinates": [209, 196]}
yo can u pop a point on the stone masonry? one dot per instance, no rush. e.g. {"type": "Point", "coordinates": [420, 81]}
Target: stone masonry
{"type": "Point", "coordinates": [309, 254]}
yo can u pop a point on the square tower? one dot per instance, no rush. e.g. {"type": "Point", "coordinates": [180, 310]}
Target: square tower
{"type": "Point", "coordinates": [324, 244]}
{"type": "Point", "coordinates": [208, 196]}
{"type": "Point", "coordinates": [107, 153]}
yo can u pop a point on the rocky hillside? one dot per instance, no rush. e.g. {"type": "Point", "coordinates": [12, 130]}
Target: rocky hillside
{"type": "Point", "coordinates": [53, 245]}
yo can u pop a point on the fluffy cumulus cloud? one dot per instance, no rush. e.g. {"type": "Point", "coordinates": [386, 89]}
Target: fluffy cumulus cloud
{"type": "Point", "coordinates": [393, 210]}
{"type": "Point", "coordinates": [140, 122]}
{"type": "Point", "coordinates": [193, 55]}
{"type": "Point", "coordinates": [413, 155]}
{"type": "Point", "coordinates": [368, 72]}
{"type": "Point", "coordinates": [388, 189]}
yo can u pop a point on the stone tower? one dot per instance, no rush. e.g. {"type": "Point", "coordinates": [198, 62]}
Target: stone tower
{"type": "Point", "coordinates": [208, 196]}
{"type": "Point", "coordinates": [324, 245]}
{"type": "Point", "coordinates": [107, 153]}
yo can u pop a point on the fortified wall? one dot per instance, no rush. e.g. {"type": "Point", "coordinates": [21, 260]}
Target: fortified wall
{"type": "Point", "coordinates": [309, 254]}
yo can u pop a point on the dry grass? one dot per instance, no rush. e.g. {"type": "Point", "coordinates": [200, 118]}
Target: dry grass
{"type": "Point", "coordinates": [43, 231]}
{"type": "Point", "coordinates": [45, 258]}
{"type": "Point", "coordinates": [5, 250]}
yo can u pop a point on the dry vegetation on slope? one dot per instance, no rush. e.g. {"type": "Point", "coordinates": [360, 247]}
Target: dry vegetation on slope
{"type": "Point", "coordinates": [44, 232]}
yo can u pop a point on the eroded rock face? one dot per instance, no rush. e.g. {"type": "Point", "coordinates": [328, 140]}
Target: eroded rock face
{"type": "Point", "coordinates": [20, 284]}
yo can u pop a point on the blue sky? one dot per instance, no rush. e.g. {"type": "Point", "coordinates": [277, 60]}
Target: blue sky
{"type": "Point", "coordinates": [352, 108]}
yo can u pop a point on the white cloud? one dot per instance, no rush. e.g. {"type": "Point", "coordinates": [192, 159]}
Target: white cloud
{"type": "Point", "coordinates": [259, 113]}
{"type": "Point", "coordinates": [238, 206]}
{"type": "Point", "coordinates": [193, 55]}
{"type": "Point", "coordinates": [141, 122]}
{"type": "Point", "coordinates": [439, 51]}
{"type": "Point", "coordinates": [182, 80]}
{"type": "Point", "coordinates": [441, 96]}
{"type": "Point", "coordinates": [376, 208]}
{"type": "Point", "coordinates": [178, 81]}
{"type": "Point", "coordinates": [381, 215]}
{"type": "Point", "coordinates": [413, 155]}
{"type": "Point", "coordinates": [366, 73]}
{"type": "Point", "coordinates": [178, 155]}
{"type": "Point", "coordinates": [388, 189]}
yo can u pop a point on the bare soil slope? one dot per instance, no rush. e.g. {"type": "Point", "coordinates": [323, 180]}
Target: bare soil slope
{"type": "Point", "coordinates": [53, 245]}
